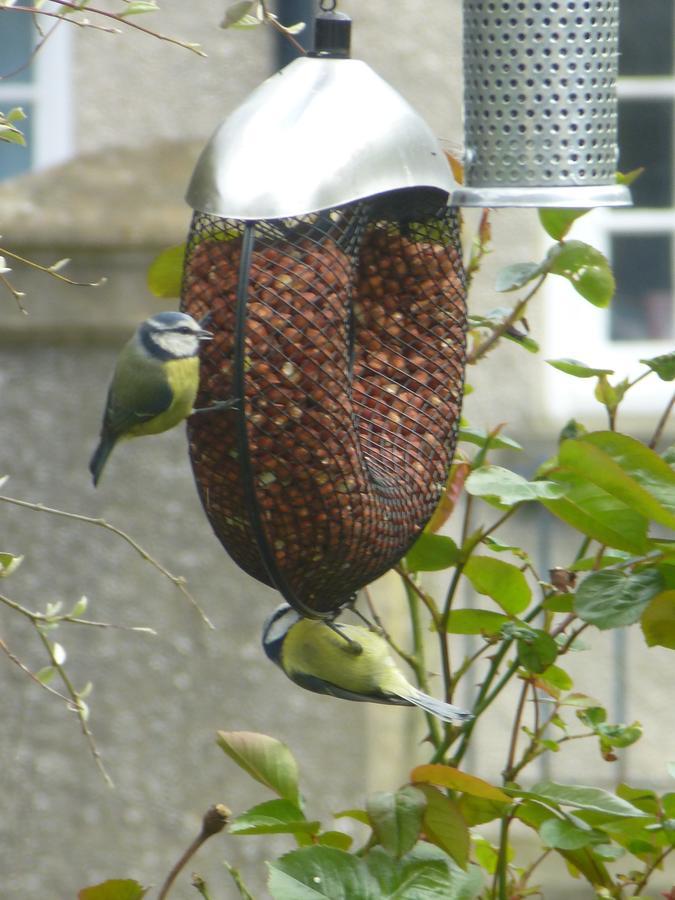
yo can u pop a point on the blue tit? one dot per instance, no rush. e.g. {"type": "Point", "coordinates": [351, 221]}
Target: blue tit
{"type": "Point", "coordinates": [347, 661]}
{"type": "Point", "coordinates": [154, 384]}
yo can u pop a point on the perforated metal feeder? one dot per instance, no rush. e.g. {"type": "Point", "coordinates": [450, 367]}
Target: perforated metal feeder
{"type": "Point", "coordinates": [540, 104]}
{"type": "Point", "coordinates": [325, 255]}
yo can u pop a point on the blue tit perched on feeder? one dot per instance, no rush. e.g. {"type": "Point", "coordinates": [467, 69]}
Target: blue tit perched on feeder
{"type": "Point", "coordinates": [347, 661]}
{"type": "Point", "coordinates": [154, 384]}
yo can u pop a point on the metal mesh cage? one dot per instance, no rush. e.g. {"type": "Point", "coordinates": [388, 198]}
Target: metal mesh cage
{"type": "Point", "coordinates": [343, 334]}
{"type": "Point", "coordinates": [540, 92]}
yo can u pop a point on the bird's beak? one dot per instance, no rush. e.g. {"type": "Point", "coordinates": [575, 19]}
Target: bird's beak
{"type": "Point", "coordinates": [204, 335]}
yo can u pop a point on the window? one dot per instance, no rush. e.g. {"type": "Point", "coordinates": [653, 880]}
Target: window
{"type": "Point", "coordinates": [639, 241]}
{"type": "Point", "coordinates": [41, 88]}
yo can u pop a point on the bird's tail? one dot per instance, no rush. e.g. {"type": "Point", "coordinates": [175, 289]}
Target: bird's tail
{"type": "Point", "coordinates": [446, 712]}
{"type": "Point", "coordinates": [100, 456]}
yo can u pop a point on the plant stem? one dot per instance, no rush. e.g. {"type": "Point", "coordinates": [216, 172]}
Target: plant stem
{"type": "Point", "coordinates": [499, 887]}
{"type": "Point", "coordinates": [515, 732]}
{"type": "Point", "coordinates": [428, 601]}
{"type": "Point", "coordinates": [499, 330]}
{"type": "Point", "coordinates": [215, 819]}
{"type": "Point", "coordinates": [649, 870]}
{"type": "Point", "coordinates": [5, 649]}
{"type": "Point", "coordinates": [662, 423]}
{"type": "Point", "coordinates": [420, 656]}
{"type": "Point", "coordinates": [77, 705]}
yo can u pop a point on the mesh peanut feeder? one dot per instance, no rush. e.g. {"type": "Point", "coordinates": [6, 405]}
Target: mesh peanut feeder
{"type": "Point", "coordinates": [328, 263]}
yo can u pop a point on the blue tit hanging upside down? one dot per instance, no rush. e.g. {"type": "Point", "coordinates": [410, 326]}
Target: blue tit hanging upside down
{"type": "Point", "coordinates": [347, 661]}
{"type": "Point", "coordinates": [154, 384]}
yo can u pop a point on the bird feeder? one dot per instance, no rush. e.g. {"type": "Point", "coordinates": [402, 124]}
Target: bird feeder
{"type": "Point", "coordinates": [540, 104]}
{"type": "Point", "coordinates": [327, 262]}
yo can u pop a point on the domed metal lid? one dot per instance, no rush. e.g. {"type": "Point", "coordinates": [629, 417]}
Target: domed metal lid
{"type": "Point", "coordinates": [318, 134]}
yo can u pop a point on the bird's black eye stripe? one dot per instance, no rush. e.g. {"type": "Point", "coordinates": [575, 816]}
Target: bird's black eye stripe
{"type": "Point", "coordinates": [184, 330]}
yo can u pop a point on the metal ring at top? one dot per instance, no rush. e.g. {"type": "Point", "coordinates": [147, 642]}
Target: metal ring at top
{"type": "Point", "coordinates": [327, 5]}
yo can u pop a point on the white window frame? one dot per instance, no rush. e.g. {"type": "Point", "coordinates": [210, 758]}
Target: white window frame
{"type": "Point", "coordinates": [575, 329]}
{"type": "Point", "coordinates": [49, 93]}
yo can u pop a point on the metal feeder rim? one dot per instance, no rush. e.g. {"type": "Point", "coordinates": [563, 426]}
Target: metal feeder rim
{"type": "Point", "coordinates": [572, 197]}
{"type": "Point", "coordinates": [318, 134]}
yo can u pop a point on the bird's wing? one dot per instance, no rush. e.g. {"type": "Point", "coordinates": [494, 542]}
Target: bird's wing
{"type": "Point", "coordinates": [138, 399]}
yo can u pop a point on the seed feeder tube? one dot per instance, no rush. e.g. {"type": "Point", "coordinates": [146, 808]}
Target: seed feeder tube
{"type": "Point", "coordinates": [324, 253]}
{"type": "Point", "coordinates": [540, 104]}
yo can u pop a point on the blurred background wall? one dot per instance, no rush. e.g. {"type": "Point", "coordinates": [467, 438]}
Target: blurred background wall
{"type": "Point", "coordinates": [123, 118]}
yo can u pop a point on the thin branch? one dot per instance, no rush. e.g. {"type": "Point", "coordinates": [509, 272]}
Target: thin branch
{"type": "Point", "coordinates": [122, 20]}
{"type": "Point", "coordinates": [662, 423]}
{"type": "Point", "coordinates": [499, 330]}
{"type": "Point", "coordinates": [281, 29]}
{"type": "Point", "coordinates": [427, 600]}
{"type": "Point", "coordinates": [515, 733]}
{"type": "Point", "coordinates": [398, 650]}
{"type": "Point", "coordinates": [50, 270]}
{"type": "Point", "coordinates": [649, 870]}
{"type": "Point", "coordinates": [76, 704]}
{"type": "Point", "coordinates": [419, 653]}
{"type": "Point", "coordinates": [178, 580]}
{"type": "Point", "coordinates": [31, 675]}
{"type": "Point", "coordinates": [215, 819]}
{"type": "Point", "coordinates": [14, 292]}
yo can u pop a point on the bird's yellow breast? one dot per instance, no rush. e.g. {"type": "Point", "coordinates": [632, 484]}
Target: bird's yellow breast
{"type": "Point", "coordinates": [312, 647]}
{"type": "Point", "coordinates": [182, 376]}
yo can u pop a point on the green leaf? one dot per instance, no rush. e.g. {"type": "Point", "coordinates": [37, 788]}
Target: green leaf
{"type": "Point", "coordinates": [619, 735]}
{"type": "Point", "coordinates": [581, 797]}
{"type": "Point", "coordinates": [475, 621]}
{"type": "Point", "coordinates": [337, 839]}
{"type": "Point", "coordinates": [44, 676]}
{"type": "Point", "coordinates": [664, 366]}
{"type": "Point", "coordinates": [557, 222]}
{"type": "Point", "coordinates": [516, 276]}
{"type": "Point", "coordinates": [237, 11]}
{"type": "Point", "coordinates": [507, 487]}
{"type": "Point", "coordinates": [596, 513]}
{"type": "Point", "coordinates": [165, 273]}
{"type": "Point", "coordinates": [135, 7]}
{"type": "Point", "coordinates": [321, 872]}
{"type": "Point", "coordinates": [501, 581]}
{"type": "Point", "coordinates": [359, 815]}
{"type": "Point", "coordinates": [537, 651]}
{"type": "Point", "coordinates": [9, 564]}
{"type": "Point", "coordinates": [643, 798]}
{"type": "Point", "coordinates": [628, 178]}
{"type": "Point", "coordinates": [431, 552]}
{"type": "Point", "coordinates": [477, 811]}
{"type": "Point", "coordinates": [585, 268]}
{"type": "Point", "coordinates": [397, 818]}
{"type": "Point", "coordinates": [444, 825]}
{"type": "Point", "coordinates": [426, 873]}
{"type": "Point", "coordinates": [611, 599]}
{"type": "Point", "coordinates": [266, 759]}
{"type": "Point", "coordinates": [627, 469]}
{"type": "Point", "coordinates": [658, 621]}
{"type": "Point", "coordinates": [562, 834]}
{"type": "Point", "coordinates": [485, 439]}
{"type": "Point", "coordinates": [556, 678]}
{"type": "Point", "coordinates": [576, 368]}
{"type": "Point", "coordinates": [273, 817]}
{"type": "Point", "coordinates": [456, 780]}
{"type": "Point", "coordinates": [114, 889]}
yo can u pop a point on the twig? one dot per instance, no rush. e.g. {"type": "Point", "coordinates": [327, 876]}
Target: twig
{"type": "Point", "coordinates": [50, 270]}
{"type": "Point", "coordinates": [32, 675]}
{"type": "Point", "coordinates": [418, 645]}
{"type": "Point", "coordinates": [178, 580]}
{"type": "Point", "coordinates": [15, 293]}
{"type": "Point", "coordinates": [515, 732]}
{"type": "Point", "coordinates": [647, 874]}
{"type": "Point", "coordinates": [76, 704]}
{"type": "Point", "coordinates": [281, 29]}
{"type": "Point", "coordinates": [499, 330]}
{"type": "Point", "coordinates": [406, 657]}
{"type": "Point", "coordinates": [428, 601]}
{"type": "Point", "coordinates": [215, 819]}
{"type": "Point", "coordinates": [34, 10]}
{"type": "Point", "coordinates": [662, 423]}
